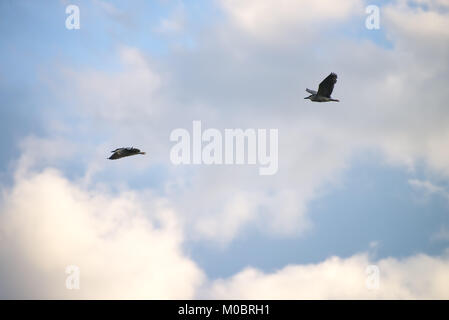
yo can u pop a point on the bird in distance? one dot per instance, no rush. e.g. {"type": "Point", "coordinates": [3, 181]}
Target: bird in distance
{"type": "Point", "coordinates": [124, 152]}
{"type": "Point", "coordinates": [324, 90]}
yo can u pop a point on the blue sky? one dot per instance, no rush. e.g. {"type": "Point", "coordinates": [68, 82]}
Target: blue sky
{"type": "Point", "coordinates": [367, 176]}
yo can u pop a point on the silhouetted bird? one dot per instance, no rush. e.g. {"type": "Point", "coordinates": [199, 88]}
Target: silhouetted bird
{"type": "Point", "coordinates": [324, 90]}
{"type": "Point", "coordinates": [124, 152]}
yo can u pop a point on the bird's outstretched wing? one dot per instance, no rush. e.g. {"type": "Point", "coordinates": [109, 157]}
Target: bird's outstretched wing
{"type": "Point", "coordinates": [327, 85]}
{"type": "Point", "coordinates": [310, 91]}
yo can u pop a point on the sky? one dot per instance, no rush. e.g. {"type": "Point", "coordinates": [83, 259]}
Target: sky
{"type": "Point", "coordinates": [361, 184]}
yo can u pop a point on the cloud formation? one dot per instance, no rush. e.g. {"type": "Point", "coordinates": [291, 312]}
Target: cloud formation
{"type": "Point", "coordinates": [416, 277]}
{"type": "Point", "coordinates": [272, 20]}
{"type": "Point", "coordinates": [129, 246]}
{"type": "Point", "coordinates": [125, 247]}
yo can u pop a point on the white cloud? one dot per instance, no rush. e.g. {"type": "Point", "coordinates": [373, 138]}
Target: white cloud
{"type": "Point", "coordinates": [441, 235]}
{"type": "Point", "coordinates": [416, 277]}
{"type": "Point", "coordinates": [280, 19]}
{"type": "Point", "coordinates": [118, 95]}
{"type": "Point", "coordinates": [114, 13]}
{"type": "Point", "coordinates": [428, 187]}
{"type": "Point", "coordinates": [125, 247]}
{"type": "Point", "coordinates": [37, 151]}
{"type": "Point", "coordinates": [175, 23]}
{"type": "Point", "coordinates": [237, 211]}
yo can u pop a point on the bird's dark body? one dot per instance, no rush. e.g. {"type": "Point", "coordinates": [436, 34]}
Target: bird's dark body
{"type": "Point", "coordinates": [317, 98]}
{"type": "Point", "coordinates": [124, 152]}
{"type": "Point", "coordinates": [324, 90]}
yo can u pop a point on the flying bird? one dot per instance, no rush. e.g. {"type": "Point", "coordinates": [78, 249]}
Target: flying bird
{"type": "Point", "coordinates": [124, 152]}
{"type": "Point", "coordinates": [324, 90]}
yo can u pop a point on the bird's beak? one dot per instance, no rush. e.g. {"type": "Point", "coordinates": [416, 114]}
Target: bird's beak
{"type": "Point", "coordinates": [306, 98]}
